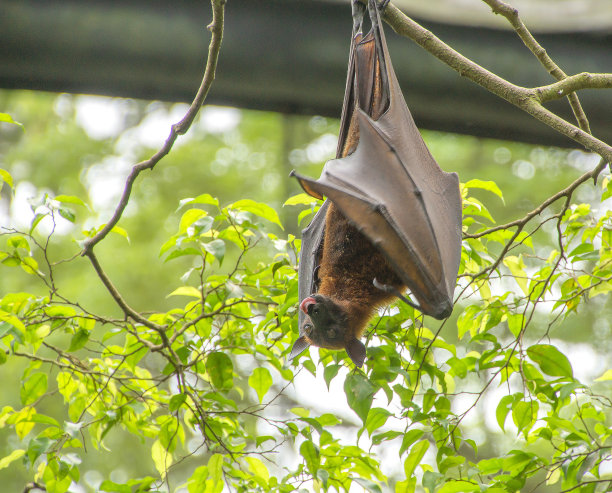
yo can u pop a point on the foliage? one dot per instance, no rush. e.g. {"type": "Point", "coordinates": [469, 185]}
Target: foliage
{"type": "Point", "coordinates": [197, 394]}
{"type": "Point", "coordinates": [213, 366]}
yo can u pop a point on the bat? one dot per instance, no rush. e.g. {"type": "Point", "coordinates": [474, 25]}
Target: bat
{"type": "Point", "coordinates": [392, 218]}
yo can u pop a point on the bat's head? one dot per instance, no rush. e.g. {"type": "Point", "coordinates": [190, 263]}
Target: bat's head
{"type": "Point", "coordinates": [328, 324]}
{"type": "Point", "coordinates": [326, 321]}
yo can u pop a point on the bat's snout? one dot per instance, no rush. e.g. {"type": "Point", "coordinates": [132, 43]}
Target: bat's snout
{"type": "Point", "coordinates": [306, 302]}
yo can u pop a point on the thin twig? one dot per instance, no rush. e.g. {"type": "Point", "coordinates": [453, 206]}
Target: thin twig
{"type": "Point", "coordinates": [524, 98]}
{"type": "Point", "coordinates": [584, 80]}
{"type": "Point", "coordinates": [540, 53]}
{"type": "Point", "coordinates": [129, 311]}
{"type": "Point", "coordinates": [180, 128]}
{"type": "Point", "coordinates": [566, 192]}
{"type": "Point", "coordinates": [216, 28]}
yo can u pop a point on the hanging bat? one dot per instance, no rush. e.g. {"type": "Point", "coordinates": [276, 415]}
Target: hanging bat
{"type": "Point", "coordinates": [392, 219]}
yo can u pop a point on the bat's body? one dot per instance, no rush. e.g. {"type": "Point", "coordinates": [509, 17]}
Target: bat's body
{"type": "Point", "coordinates": [392, 219]}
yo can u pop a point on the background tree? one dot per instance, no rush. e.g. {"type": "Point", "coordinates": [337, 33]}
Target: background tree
{"type": "Point", "coordinates": [154, 358]}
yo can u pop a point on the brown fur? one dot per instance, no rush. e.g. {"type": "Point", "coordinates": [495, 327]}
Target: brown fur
{"type": "Point", "coordinates": [348, 266]}
{"type": "Point", "coordinates": [350, 262]}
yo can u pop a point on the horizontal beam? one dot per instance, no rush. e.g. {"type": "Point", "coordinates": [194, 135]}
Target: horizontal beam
{"type": "Point", "coordinates": [280, 55]}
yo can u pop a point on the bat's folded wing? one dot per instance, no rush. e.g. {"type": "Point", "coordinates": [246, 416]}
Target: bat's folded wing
{"type": "Point", "coordinates": [400, 211]}
{"type": "Point", "coordinates": [312, 238]}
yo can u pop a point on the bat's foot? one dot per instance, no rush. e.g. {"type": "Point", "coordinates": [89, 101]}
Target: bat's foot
{"type": "Point", "coordinates": [387, 288]}
{"type": "Point", "coordinates": [382, 5]}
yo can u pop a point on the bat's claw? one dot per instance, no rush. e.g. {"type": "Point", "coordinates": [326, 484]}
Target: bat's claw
{"type": "Point", "coordinates": [387, 288]}
{"type": "Point", "coordinates": [382, 5]}
{"type": "Point", "coordinates": [383, 287]}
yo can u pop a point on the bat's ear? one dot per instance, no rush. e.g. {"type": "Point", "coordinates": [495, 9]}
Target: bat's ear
{"type": "Point", "coordinates": [357, 352]}
{"type": "Point", "coordinates": [298, 347]}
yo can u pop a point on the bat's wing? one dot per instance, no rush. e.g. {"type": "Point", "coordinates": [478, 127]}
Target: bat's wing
{"type": "Point", "coordinates": [310, 256]}
{"type": "Point", "coordinates": [312, 236]}
{"type": "Point", "coordinates": [392, 190]}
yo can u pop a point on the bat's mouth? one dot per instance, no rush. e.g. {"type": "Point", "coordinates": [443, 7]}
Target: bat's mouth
{"type": "Point", "coordinates": [306, 302]}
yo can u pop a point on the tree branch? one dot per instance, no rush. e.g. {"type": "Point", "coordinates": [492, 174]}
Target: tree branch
{"type": "Point", "coordinates": [180, 128]}
{"type": "Point", "coordinates": [584, 80]}
{"type": "Point", "coordinates": [510, 13]}
{"type": "Point", "coordinates": [216, 28]}
{"type": "Point", "coordinates": [524, 98]}
{"type": "Point", "coordinates": [566, 192]}
{"type": "Point", "coordinates": [129, 311]}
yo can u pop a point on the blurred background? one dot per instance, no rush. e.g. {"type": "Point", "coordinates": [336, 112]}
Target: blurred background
{"type": "Point", "coordinates": [96, 86]}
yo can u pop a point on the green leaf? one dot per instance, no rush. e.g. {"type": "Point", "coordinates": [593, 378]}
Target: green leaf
{"type": "Point", "coordinates": [368, 485]}
{"type": "Point", "coordinates": [70, 199]}
{"type": "Point", "coordinates": [182, 253]}
{"type": "Point", "coordinates": [515, 323]}
{"type": "Point", "coordinates": [112, 487]}
{"type": "Point", "coordinates": [329, 373]}
{"type": "Point", "coordinates": [29, 265]}
{"type": "Point", "coordinates": [186, 291]}
{"type": "Point", "coordinates": [258, 209]}
{"type": "Point", "coordinates": [517, 269]}
{"type": "Point", "coordinates": [431, 480]}
{"type": "Point", "coordinates": [33, 388]}
{"type": "Point", "coordinates": [36, 220]}
{"type": "Point", "coordinates": [190, 217]}
{"type": "Point", "coordinates": [582, 248]}
{"type": "Point", "coordinates": [220, 369]}
{"type": "Point", "coordinates": [606, 376]}
{"type": "Point", "coordinates": [205, 198]}
{"type": "Point", "coordinates": [300, 411]}
{"type": "Point", "coordinates": [67, 214]}
{"type": "Point", "coordinates": [261, 381]}
{"type": "Point", "coordinates": [490, 466]}
{"type": "Point", "coordinates": [37, 447]}
{"type": "Point", "coordinates": [6, 118]}
{"type": "Point", "coordinates": [11, 319]}
{"type": "Point", "coordinates": [359, 394]}
{"type": "Point", "coordinates": [323, 475]}
{"type": "Point", "coordinates": [458, 486]}
{"type": "Point", "coordinates": [215, 472]}
{"type": "Point", "coordinates": [176, 401]}
{"type": "Point", "coordinates": [258, 468]}
{"type": "Point", "coordinates": [216, 248]}
{"type": "Point", "coordinates": [503, 408]}
{"type": "Point", "coordinates": [406, 486]}
{"type": "Point", "coordinates": [6, 176]}
{"type": "Point", "coordinates": [490, 186]}
{"type": "Point", "coordinates": [387, 435]}
{"type": "Point", "coordinates": [120, 231]}
{"type": "Point", "coordinates": [414, 457]}
{"type": "Point", "coordinates": [552, 361]}
{"type": "Point", "coordinates": [524, 414]}
{"type": "Point", "coordinates": [311, 456]}
{"type": "Point", "coordinates": [409, 438]}
{"type": "Point", "coordinates": [377, 417]}
{"type": "Point", "coordinates": [300, 199]}
{"type": "Point", "coordinates": [17, 241]}
{"type": "Point", "coordinates": [161, 458]}
{"type": "Point", "coordinates": [79, 339]}
{"type": "Point", "coordinates": [468, 321]}
{"type": "Point", "coordinates": [13, 456]}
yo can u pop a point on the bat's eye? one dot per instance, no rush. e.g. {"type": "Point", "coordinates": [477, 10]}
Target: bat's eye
{"type": "Point", "coordinates": [315, 310]}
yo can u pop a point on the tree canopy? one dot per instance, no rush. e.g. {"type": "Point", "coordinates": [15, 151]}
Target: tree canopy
{"type": "Point", "coordinates": [147, 310]}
